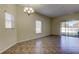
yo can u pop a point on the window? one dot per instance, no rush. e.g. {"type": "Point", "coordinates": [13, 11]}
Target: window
{"type": "Point", "coordinates": [38, 26]}
{"type": "Point", "coordinates": [9, 20]}
{"type": "Point", "coordinates": [70, 28]}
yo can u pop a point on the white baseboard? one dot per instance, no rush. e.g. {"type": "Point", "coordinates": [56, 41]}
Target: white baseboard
{"type": "Point", "coordinates": [24, 40]}
{"type": "Point", "coordinates": [7, 47]}
{"type": "Point", "coordinates": [31, 39]}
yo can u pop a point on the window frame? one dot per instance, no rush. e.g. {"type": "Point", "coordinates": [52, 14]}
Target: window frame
{"type": "Point", "coordinates": [7, 20]}
{"type": "Point", "coordinates": [38, 32]}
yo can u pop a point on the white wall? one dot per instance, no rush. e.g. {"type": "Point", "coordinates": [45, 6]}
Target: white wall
{"type": "Point", "coordinates": [26, 25]}
{"type": "Point", "coordinates": [7, 36]}
{"type": "Point", "coordinates": [55, 27]}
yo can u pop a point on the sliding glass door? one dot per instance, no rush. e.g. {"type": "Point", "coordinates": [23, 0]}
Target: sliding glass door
{"type": "Point", "coordinates": [70, 28]}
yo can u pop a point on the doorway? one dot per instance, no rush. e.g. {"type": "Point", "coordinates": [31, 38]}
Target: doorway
{"type": "Point", "coordinates": [70, 28]}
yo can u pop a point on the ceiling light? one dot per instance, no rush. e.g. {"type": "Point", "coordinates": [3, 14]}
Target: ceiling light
{"type": "Point", "coordinates": [28, 10]}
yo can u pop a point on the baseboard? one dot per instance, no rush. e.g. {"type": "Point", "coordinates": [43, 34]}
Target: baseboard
{"type": "Point", "coordinates": [24, 40]}
{"type": "Point", "coordinates": [7, 48]}
{"type": "Point", "coordinates": [32, 38]}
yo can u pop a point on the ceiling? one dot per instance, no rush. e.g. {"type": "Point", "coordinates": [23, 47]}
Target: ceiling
{"type": "Point", "coordinates": [53, 10]}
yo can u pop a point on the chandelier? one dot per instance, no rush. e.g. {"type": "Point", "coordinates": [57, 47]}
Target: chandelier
{"type": "Point", "coordinates": [28, 11]}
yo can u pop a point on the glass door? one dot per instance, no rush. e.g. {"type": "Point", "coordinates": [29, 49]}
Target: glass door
{"type": "Point", "coordinates": [70, 28]}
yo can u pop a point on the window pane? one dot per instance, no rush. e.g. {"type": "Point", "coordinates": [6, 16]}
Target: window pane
{"type": "Point", "coordinates": [9, 20]}
{"type": "Point", "coordinates": [70, 28]}
{"type": "Point", "coordinates": [38, 26]}
{"type": "Point", "coordinates": [8, 24]}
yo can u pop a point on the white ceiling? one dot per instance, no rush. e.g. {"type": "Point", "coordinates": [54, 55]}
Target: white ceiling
{"type": "Point", "coordinates": [53, 10]}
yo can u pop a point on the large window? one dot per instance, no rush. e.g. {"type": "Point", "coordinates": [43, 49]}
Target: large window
{"type": "Point", "coordinates": [9, 20]}
{"type": "Point", "coordinates": [70, 28]}
{"type": "Point", "coordinates": [38, 26]}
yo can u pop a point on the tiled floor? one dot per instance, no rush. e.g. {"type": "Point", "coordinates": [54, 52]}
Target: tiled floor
{"type": "Point", "coordinates": [46, 45]}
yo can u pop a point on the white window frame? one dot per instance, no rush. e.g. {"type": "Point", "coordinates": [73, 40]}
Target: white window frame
{"type": "Point", "coordinates": [9, 20]}
{"type": "Point", "coordinates": [38, 26]}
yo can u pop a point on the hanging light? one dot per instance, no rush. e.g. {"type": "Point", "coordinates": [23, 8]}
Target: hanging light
{"type": "Point", "coordinates": [28, 10]}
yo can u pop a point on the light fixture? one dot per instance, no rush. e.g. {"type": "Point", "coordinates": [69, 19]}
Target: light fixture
{"type": "Point", "coordinates": [28, 11]}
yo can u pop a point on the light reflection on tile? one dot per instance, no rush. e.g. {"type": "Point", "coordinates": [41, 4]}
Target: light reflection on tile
{"type": "Point", "coordinates": [69, 44]}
